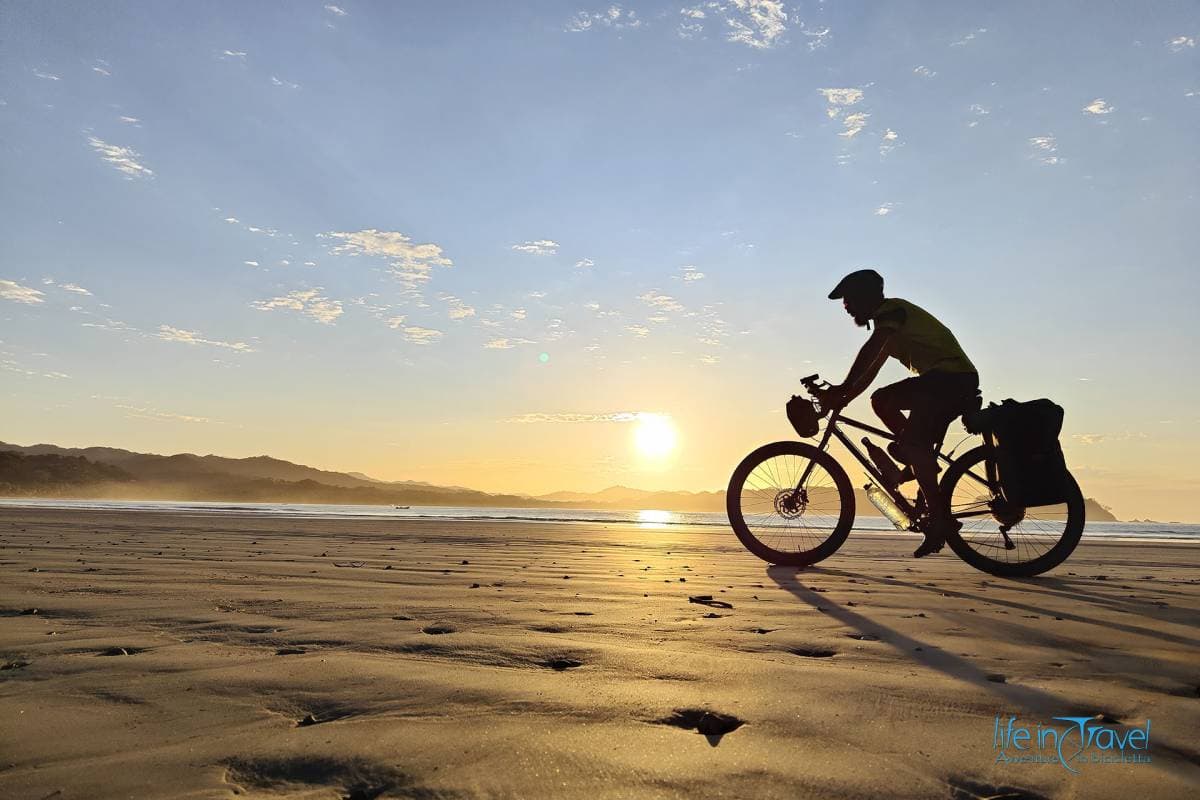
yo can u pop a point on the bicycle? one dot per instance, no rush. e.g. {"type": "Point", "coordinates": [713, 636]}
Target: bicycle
{"type": "Point", "coordinates": [792, 503]}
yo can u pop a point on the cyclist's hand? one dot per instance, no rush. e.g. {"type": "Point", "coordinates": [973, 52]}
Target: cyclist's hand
{"type": "Point", "coordinates": [831, 398]}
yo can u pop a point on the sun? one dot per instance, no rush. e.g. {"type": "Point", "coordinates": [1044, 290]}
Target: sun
{"type": "Point", "coordinates": [654, 436]}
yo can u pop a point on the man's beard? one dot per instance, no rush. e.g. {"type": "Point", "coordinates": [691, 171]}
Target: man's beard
{"type": "Point", "coordinates": [862, 320]}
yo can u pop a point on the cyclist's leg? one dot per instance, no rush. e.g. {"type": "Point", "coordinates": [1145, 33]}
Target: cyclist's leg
{"type": "Point", "coordinates": [891, 401]}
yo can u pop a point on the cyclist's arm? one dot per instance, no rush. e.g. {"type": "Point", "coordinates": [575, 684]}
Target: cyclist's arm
{"type": "Point", "coordinates": [866, 365]}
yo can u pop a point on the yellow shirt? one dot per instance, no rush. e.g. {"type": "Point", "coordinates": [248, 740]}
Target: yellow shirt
{"type": "Point", "coordinates": [921, 342]}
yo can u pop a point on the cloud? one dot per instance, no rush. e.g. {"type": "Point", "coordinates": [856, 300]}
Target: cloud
{"type": "Point", "coordinates": [640, 331]}
{"type": "Point", "coordinates": [458, 309]}
{"type": "Point", "coordinates": [124, 159]}
{"type": "Point", "coordinates": [130, 120]}
{"type": "Point", "coordinates": [308, 302]}
{"type": "Point", "coordinates": [160, 416]}
{"type": "Point", "coordinates": [840, 98]}
{"type": "Point", "coordinates": [250, 263]}
{"type": "Point", "coordinates": [690, 273]}
{"type": "Point", "coordinates": [760, 24]}
{"type": "Point", "coordinates": [585, 263]}
{"type": "Point", "coordinates": [169, 334]}
{"type": "Point", "coordinates": [8, 365]}
{"type": "Point", "coordinates": [616, 416]}
{"type": "Point", "coordinates": [890, 141]}
{"type": "Point", "coordinates": [337, 11]}
{"type": "Point", "coordinates": [506, 343]}
{"type": "Point", "coordinates": [280, 82]}
{"type": "Point", "coordinates": [614, 17]}
{"type": "Point", "coordinates": [540, 247]}
{"type": "Point", "coordinates": [854, 123]}
{"type": "Point", "coordinates": [46, 76]}
{"type": "Point", "coordinates": [421, 336]}
{"type": "Point", "coordinates": [924, 72]}
{"type": "Point", "coordinates": [709, 360]}
{"type": "Point", "coordinates": [411, 263]}
{"type": "Point", "coordinates": [101, 67]}
{"type": "Point", "coordinates": [1178, 43]}
{"type": "Point", "coordinates": [659, 301]}
{"type": "Point", "coordinates": [970, 37]}
{"type": "Point", "coordinates": [73, 287]}
{"type": "Point", "coordinates": [1045, 149]}
{"type": "Point", "coordinates": [884, 209]}
{"type": "Point", "coordinates": [518, 313]}
{"type": "Point", "coordinates": [233, 54]}
{"type": "Point", "coordinates": [1098, 106]}
{"type": "Point", "coordinates": [20, 294]}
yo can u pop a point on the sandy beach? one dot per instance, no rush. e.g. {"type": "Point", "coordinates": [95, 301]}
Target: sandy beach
{"type": "Point", "coordinates": [207, 656]}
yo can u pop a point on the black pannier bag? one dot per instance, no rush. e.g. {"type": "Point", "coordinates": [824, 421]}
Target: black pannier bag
{"type": "Point", "coordinates": [803, 416]}
{"type": "Point", "coordinates": [1026, 455]}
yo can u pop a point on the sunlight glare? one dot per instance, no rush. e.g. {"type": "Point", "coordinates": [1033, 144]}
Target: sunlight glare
{"type": "Point", "coordinates": [655, 435]}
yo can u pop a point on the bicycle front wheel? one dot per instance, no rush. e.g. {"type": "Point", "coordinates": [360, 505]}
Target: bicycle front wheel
{"type": "Point", "coordinates": [790, 503]}
{"type": "Point", "coordinates": [1003, 540]}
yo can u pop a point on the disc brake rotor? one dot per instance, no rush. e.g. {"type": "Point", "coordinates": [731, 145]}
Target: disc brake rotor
{"type": "Point", "coordinates": [790, 503]}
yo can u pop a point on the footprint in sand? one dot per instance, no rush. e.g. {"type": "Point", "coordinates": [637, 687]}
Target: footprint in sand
{"type": "Point", "coordinates": [561, 664]}
{"type": "Point", "coordinates": [812, 652]}
{"type": "Point", "coordinates": [290, 651]}
{"type": "Point", "coordinates": [120, 651]}
{"type": "Point", "coordinates": [863, 637]}
{"type": "Point", "coordinates": [711, 724]}
{"type": "Point", "coordinates": [969, 789]}
{"type": "Point", "coordinates": [435, 630]}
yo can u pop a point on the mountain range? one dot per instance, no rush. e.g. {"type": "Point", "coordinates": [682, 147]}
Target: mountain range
{"type": "Point", "coordinates": [46, 470]}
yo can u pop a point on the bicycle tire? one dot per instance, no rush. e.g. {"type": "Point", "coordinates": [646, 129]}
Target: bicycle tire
{"type": "Point", "coordinates": [790, 557]}
{"type": "Point", "coordinates": [1076, 517]}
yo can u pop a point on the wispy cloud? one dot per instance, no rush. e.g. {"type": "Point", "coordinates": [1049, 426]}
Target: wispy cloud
{"type": "Point", "coordinates": [1099, 107]}
{"type": "Point", "coordinates": [130, 121]}
{"type": "Point", "coordinates": [640, 331]}
{"type": "Point", "coordinates": [10, 290]}
{"type": "Point", "coordinates": [101, 67]}
{"type": "Point", "coordinates": [924, 71]}
{"type": "Point", "coordinates": [659, 301]}
{"type": "Point", "coordinates": [74, 288]}
{"type": "Point", "coordinates": [539, 247]}
{"type": "Point", "coordinates": [970, 37]}
{"type": "Point", "coordinates": [170, 334]}
{"type": "Point", "coordinates": [884, 209]}
{"type": "Point", "coordinates": [418, 335]}
{"type": "Point", "coordinates": [760, 24]}
{"type": "Point", "coordinates": [236, 55]}
{"type": "Point", "coordinates": [506, 343]}
{"type": "Point", "coordinates": [154, 414]}
{"type": "Point", "coordinates": [46, 76]}
{"type": "Point", "coordinates": [309, 302]}
{"type": "Point", "coordinates": [124, 159]}
{"type": "Point", "coordinates": [888, 142]}
{"type": "Point", "coordinates": [1180, 43]}
{"type": "Point", "coordinates": [458, 309]}
{"type": "Point", "coordinates": [615, 17]}
{"type": "Point", "coordinates": [571, 417]}
{"type": "Point", "coordinates": [1045, 150]}
{"type": "Point", "coordinates": [337, 11]}
{"type": "Point", "coordinates": [411, 263]}
{"type": "Point", "coordinates": [690, 273]}
{"type": "Point", "coordinates": [584, 263]}
{"type": "Point", "coordinates": [839, 101]}
{"type": "Point", "coordinates": [275, 81]}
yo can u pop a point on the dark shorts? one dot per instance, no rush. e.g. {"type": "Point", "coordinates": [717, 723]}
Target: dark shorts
{"type": "Point", "coordinates": [932, 401]}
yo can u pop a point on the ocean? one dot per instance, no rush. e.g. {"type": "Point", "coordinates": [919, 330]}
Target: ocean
{"type": "Point", "coordinates": [648, 518]}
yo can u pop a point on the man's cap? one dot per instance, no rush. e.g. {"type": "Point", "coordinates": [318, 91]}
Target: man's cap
{"type": "Point", "coordinates": [858, 282]}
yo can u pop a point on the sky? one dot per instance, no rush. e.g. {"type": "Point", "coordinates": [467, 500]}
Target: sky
{"type": "Point", "coordinates": [483, 244]}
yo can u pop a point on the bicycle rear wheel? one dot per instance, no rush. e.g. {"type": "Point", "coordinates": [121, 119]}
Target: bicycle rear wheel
{"type": "Point", "coordinates": [781, 522]}
{"type": "Point", "coordinates": [1038, 539]}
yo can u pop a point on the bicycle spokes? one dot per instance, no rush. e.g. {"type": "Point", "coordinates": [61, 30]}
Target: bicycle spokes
{"type": "Point", "coordinates": [790, 502]}
{"type": "Point", "coordinates": [999, 530]}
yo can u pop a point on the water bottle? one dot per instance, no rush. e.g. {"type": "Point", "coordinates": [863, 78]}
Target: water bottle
{"type": "Point", "coordinates": [887, 506]}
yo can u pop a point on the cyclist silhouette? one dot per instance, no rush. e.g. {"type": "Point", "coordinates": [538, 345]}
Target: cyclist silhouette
{"type": "Point", "coordinates": [945, 386]}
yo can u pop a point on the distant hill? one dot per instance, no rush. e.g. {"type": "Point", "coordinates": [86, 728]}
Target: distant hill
{"type": "Point", "coordinates": [94, 472]}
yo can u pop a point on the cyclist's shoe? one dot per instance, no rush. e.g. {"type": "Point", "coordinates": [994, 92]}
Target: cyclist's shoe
{"type": "Point", "coordinates": [936, 531]}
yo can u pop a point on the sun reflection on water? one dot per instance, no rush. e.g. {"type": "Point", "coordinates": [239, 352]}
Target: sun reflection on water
{"type": "Point", "coordinates": [653, 518]}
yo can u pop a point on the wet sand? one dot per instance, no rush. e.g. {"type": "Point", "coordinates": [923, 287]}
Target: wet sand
{"type": "Point", "coordinates": [206, 656]}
